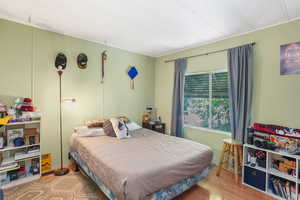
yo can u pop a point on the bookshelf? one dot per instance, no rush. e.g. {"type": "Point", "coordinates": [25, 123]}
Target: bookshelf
{"type": "Point", "coordinates": [263, 178]}
{"type": "Point", "coordinates": [20, 162]}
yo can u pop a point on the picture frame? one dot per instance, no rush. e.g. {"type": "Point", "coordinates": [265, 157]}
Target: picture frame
{"type": "Point", "coordinates": [290, 58]}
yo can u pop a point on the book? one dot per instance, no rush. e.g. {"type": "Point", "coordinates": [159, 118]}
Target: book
{"type": "Point", "coordinates": [23, 155]}
{"type": "Point", "coordinates": [8, 166]}
{"type": "Point", "coordinates": [287, 188]}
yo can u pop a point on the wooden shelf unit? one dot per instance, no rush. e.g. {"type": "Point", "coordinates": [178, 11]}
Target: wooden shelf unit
{"type": "Point", "coordinates": [11, 150]}
{"type": "Point", "coordinates": [269, 171]}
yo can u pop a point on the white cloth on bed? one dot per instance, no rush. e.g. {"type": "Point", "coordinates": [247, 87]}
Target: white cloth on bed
{"type": "Point", "coordinates": [132, 126]}
{"type": "Point", "coordinates": [84, 131]}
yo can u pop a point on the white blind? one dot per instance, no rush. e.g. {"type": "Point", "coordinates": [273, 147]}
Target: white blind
{"type": "Point", "coordinates": [220, 85]}
{"type": "Point", "coordinates": [197, 86]}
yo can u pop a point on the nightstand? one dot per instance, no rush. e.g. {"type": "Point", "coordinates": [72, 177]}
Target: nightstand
{"type": "Point", "coordinates": [158, 127]}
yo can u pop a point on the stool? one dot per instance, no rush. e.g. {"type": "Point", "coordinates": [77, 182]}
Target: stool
{"type": "Point", "coordinates": [231, 150]}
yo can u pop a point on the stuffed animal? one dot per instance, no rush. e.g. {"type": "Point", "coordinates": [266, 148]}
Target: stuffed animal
{"type": "Point", "coordinates": [3, 111]}
{"type": "Point", "coordinates": [147, 116]}
{"type": "Point", "coordinates": [27, 106]}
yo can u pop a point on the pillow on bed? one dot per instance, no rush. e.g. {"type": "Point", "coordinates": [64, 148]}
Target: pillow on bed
{"type": "Point", "coordinates": [84, 131]}
{"type": "Point", "coordinates": [108, 129]}
{"type": "Point", "coordinates": [94, 123]}
{"type": "Point", "coordinates": [132, 126]}
{"type": "Point", "coordinates": [119, 128]}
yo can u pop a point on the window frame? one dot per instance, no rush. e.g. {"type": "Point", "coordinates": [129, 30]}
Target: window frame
{"type": "Point", "coordinates": [210, 72]}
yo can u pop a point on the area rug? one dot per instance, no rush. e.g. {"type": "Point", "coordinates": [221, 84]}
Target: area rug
{"type": "Point", "coordinates": [73, 186]}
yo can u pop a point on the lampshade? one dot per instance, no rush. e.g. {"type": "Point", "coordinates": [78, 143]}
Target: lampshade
{"type": "Point", "coordinates": [60, 61]}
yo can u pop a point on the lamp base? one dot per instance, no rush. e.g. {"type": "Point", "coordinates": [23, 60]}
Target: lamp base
{"type": "Point", "coordinates": [61, 171]}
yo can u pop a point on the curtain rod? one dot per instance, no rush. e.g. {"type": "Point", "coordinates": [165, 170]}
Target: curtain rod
{"type": "Point", "coordinates": [205, 54]}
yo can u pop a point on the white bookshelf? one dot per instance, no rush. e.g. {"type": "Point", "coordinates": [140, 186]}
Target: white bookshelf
{"type": "Point", "coordinates": [21, 181]}
{"type": "Point", "coordinates": [11, 150]}
{"type": "Point", "coordinates": [269, 171]}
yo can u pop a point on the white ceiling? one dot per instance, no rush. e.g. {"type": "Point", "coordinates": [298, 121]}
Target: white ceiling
{"type": "Point", "coordinates": [151, 27]}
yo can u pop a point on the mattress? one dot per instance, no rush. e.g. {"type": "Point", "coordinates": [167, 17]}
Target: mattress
{"type": "Point", "coordinates": [139, 166]}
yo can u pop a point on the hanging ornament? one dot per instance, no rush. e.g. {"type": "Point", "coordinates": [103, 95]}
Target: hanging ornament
{"type": "Point", "coordinates": [104, 58]}
{"type": "Point", "coordinates": [132, 73]}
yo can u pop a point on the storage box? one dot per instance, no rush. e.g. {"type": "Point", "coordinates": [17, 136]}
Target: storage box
{"type": "Point", "coordinates": [46, 162]}
{"type": "Point", "coordinates": [255, 178]}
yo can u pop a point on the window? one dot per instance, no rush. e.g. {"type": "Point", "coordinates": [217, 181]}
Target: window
{"type": "Point", "coordinates": [206, 102]}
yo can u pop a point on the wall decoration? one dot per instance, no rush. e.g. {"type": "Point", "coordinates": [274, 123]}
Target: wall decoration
{"type": "Point", "coordinates": [132, 73]}
{"type": "Point", "coordinates": [82, 60]}
{"type": "Point", "coordinates": [103, 58]}
{"type": "Point", "coordinates": [290, 58]}
{"type": "Point", "coordinates": [60, 62]}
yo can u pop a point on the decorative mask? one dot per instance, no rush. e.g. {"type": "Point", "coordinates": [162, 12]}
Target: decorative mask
{"type": "Point", "coordinates": [82, 60]}
{"type": "Point", "coordinates": [60, 62]}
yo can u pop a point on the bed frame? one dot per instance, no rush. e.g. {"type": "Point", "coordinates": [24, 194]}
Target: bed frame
{"type": "Point", "coordinates": [163, 194]}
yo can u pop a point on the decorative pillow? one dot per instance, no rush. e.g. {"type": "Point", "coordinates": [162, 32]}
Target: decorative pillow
{"type": "Point", "coordinates": [119, 128]}
{"type": "Point", "coordinates": [94, 123]}
{"type": "Point", "coordinates": [108, 129]}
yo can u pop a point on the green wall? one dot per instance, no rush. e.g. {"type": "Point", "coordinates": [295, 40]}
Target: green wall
{"type": "Point", "coordinates": [275, 99]}
{"type": "Point", "coordinates": [27, 69]}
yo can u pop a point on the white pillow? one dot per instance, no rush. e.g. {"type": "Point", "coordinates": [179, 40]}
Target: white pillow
{"type": "Point", "coordinates": [84, 131]}
{"type": "Point", "coordinates": [119, 128]}
{"type": "Point", "coordinates": [133, 126]}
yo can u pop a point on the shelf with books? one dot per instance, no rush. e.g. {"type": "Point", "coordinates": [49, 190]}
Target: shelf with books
{"type": "Point", "coordinates": [270, 151]}
{"type": "Point", "coordinates": [255, 158]}
{"type": "Point", "coordinates": [9, 148]}
{"type": "Point", "coordinates": [20, 159]}
{"type": "Point", "coordinates": [23, 123]}
{"type": "Point", "coordinates": [275, 196]}
{"type": "Point", "coordinates": [282, 175]}
{"type": "Point", "coordinates": [279, 166]}
{"type": "Point", "coordinates": [21, 181]}
{"type": "Point", "coordinates": [256, 167]}
{"type": "Point", "coordinates": [282, 188]}
{"type": "Point", "coordinates": [9, 169]}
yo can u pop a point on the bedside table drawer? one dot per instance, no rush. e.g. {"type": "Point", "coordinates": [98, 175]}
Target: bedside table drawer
{"type": "Point", "coordinates": [155, 127]}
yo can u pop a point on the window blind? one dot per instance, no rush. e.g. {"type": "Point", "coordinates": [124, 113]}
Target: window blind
{"type": "Point", "coordinates": [220, 85]}
{"type": "Point", "coordinates": [196, 86]}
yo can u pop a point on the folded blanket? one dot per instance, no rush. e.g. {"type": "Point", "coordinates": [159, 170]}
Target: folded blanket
{"type": "Point", "coordinates": [84, 131]}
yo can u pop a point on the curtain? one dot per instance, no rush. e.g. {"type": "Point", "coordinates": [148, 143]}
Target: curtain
{"type": "Point", "coordinates": [240, 61]}
{"type": "Point", "coordinates": [178, 93]}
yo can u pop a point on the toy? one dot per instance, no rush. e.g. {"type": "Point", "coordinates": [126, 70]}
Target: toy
{"type": "Point", "coordinates": [147, 115]}
{"type": "Point", "coordinates": [35, 167]}
{"type": "Point", "coordinates": [3, 111]}
{"type": "Point", "coordinates": [251, 159]}
{"type": "Point", "coordinates": [27, 106]}
{"type": "Point", "coordinates": [19, 141]}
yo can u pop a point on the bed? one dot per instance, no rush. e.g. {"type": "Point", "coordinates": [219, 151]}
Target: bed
{"type": "Point", "coordinates": [148, 165]}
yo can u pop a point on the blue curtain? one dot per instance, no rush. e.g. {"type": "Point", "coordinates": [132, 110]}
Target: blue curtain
{"type": "Point", "coordinates": [178, 98]}
{"type": "Point", "coordinates": [240, 64]}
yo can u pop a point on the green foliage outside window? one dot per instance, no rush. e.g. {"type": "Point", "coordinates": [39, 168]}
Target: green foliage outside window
{"type": "Point", "coordinates": [199, 110]}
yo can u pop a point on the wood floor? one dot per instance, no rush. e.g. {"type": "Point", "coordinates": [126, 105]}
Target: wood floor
{"type": "Point", "coordinates": [222, 188]}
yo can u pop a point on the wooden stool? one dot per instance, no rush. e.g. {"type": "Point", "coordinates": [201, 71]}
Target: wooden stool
{"type": "Point", "coordinates": [234, 151]}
